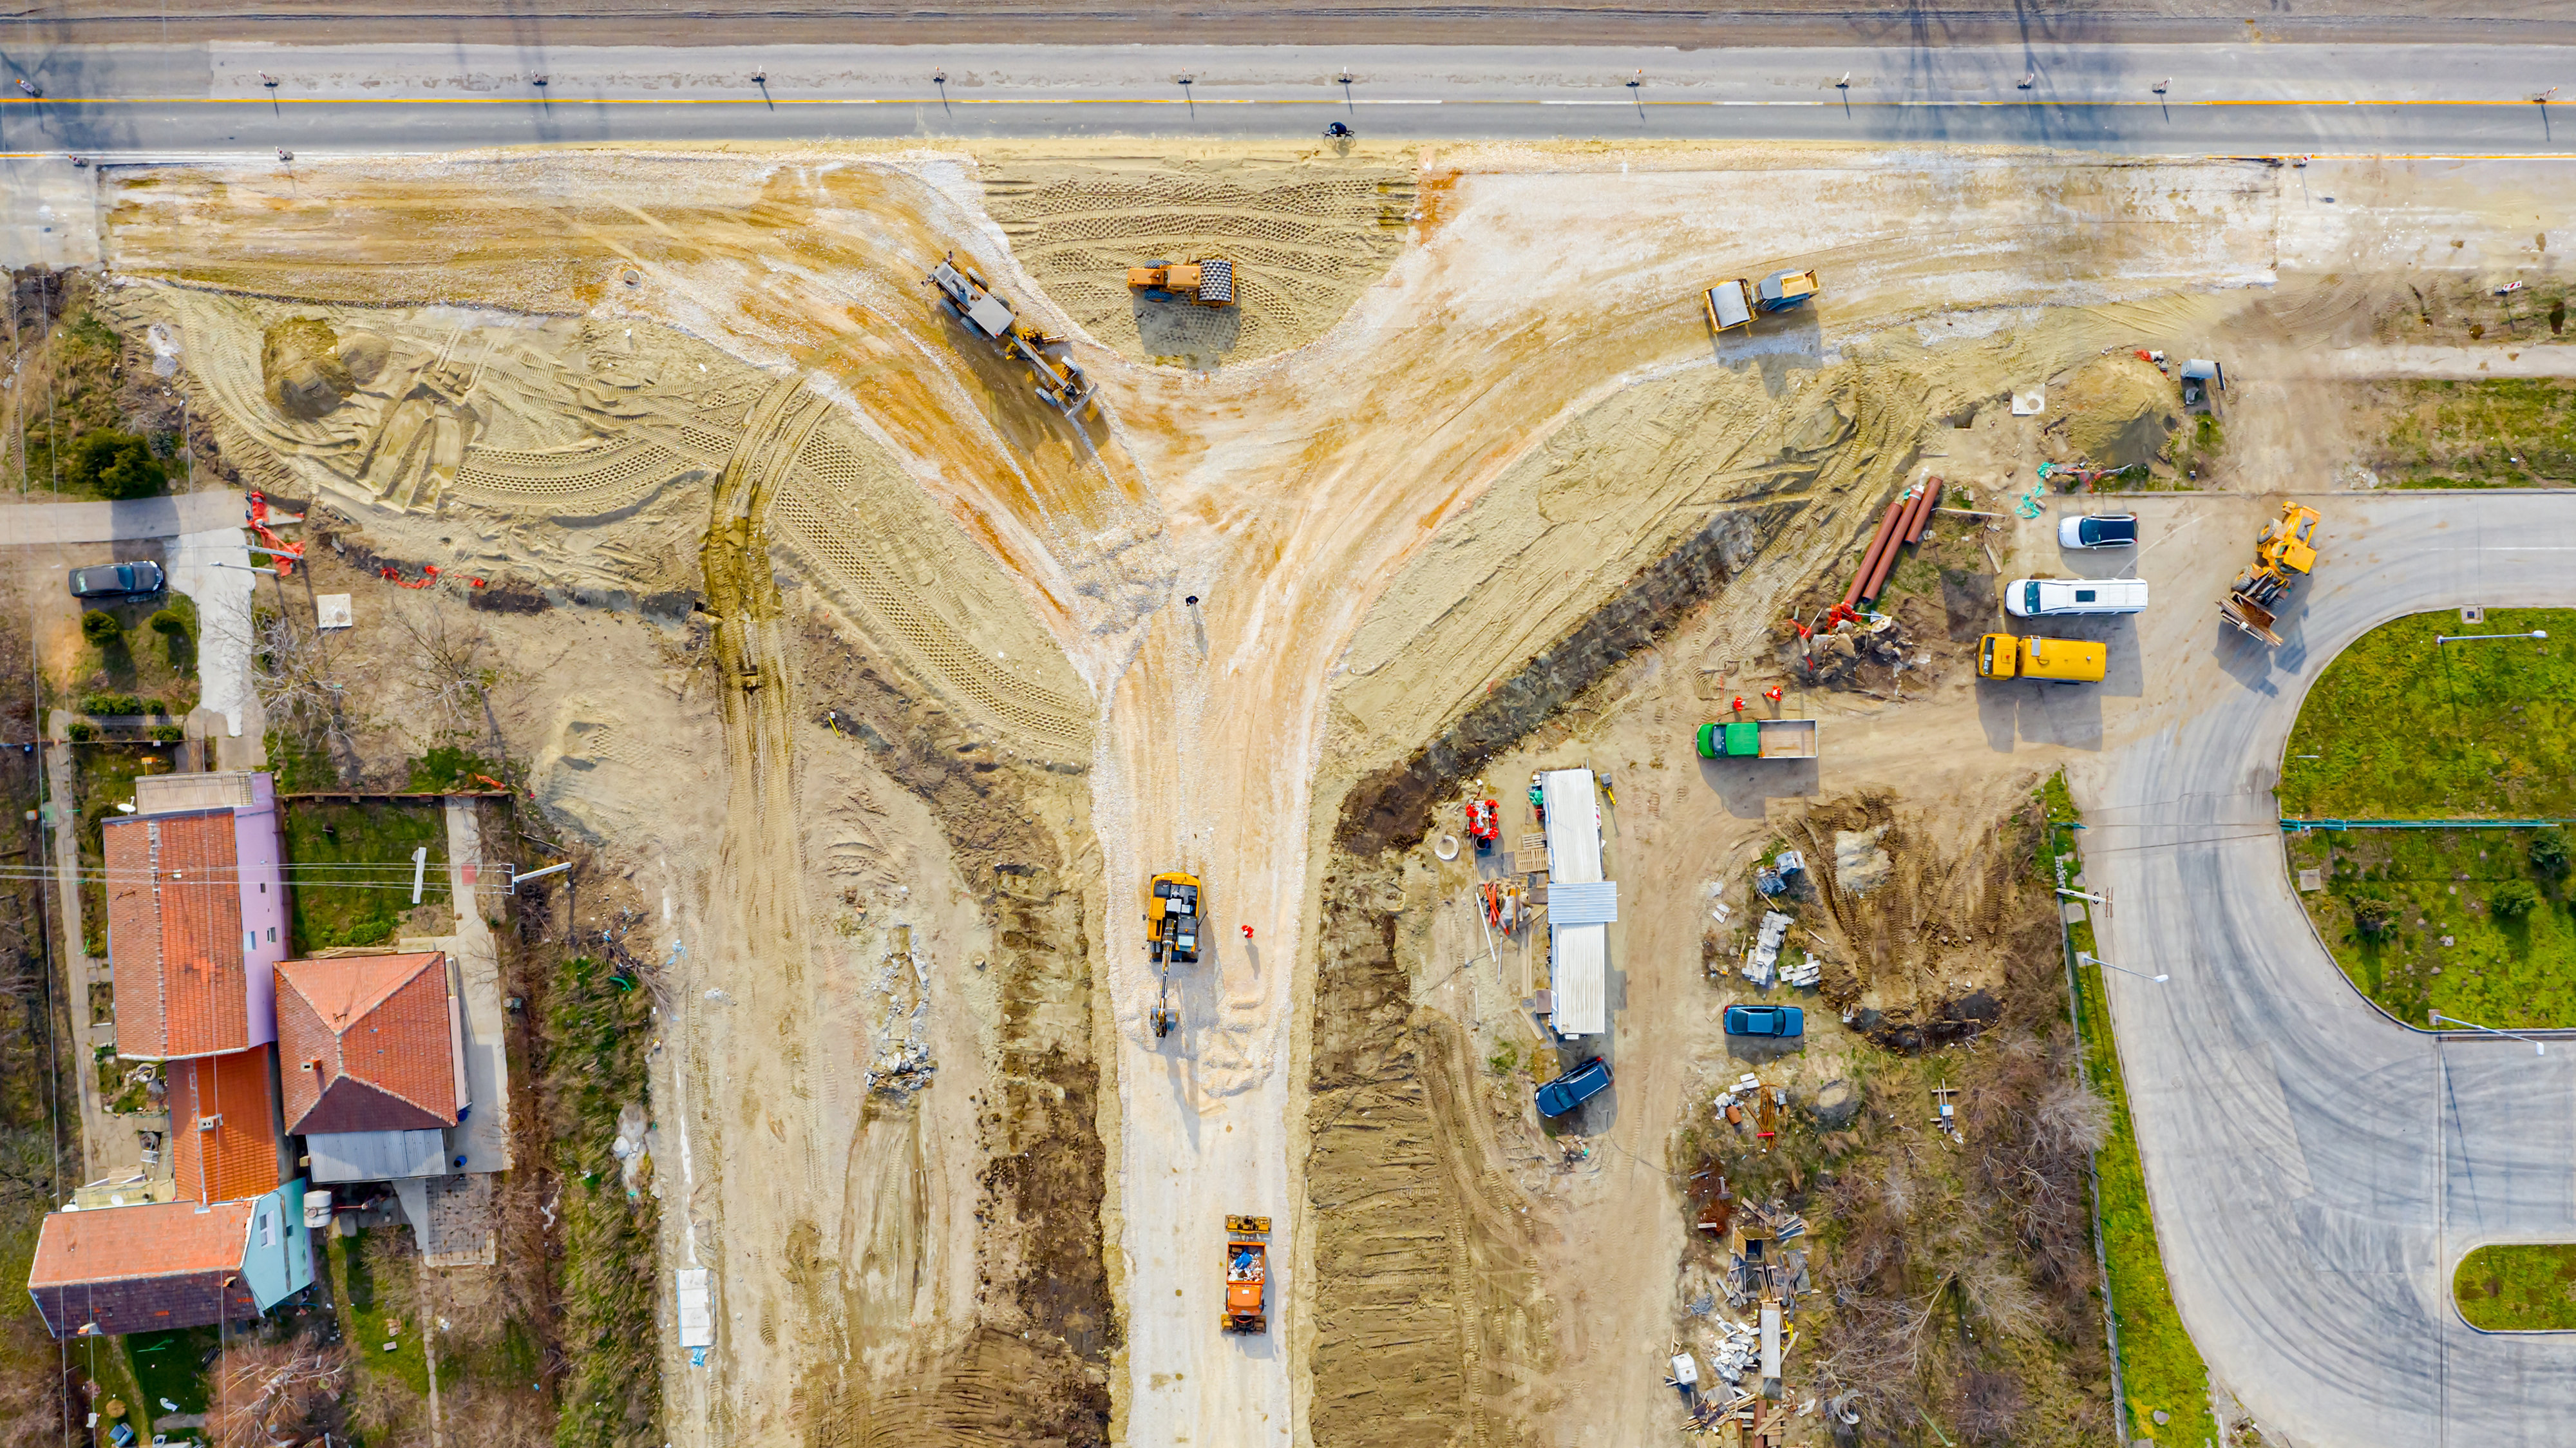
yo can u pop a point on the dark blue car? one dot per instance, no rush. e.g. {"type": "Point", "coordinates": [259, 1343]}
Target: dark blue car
{"type": "Point", "coordinates": [1784, 1021]}
{"type": "Point", "coordinates": [1574, 1088]}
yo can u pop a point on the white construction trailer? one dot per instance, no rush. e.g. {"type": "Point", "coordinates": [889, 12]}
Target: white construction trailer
{"type": "Point", "coordinates": [1579, 938]}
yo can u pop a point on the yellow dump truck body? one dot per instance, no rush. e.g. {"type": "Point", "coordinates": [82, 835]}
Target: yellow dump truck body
{"type": "Point", "coordinates": [2063, 661]}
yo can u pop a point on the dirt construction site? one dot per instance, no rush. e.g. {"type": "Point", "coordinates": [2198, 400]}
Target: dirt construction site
{"type": "Point", "coordinates": [883, 687]}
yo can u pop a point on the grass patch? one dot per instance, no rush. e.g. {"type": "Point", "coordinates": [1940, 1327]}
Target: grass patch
{"type": "Point", "coordinates": [2498, 433]}
{"type": "Point", "coordinates": [594, 1063]}
{"type": "Point", "coordinates": [2391, 898]}
{"type": "Point", "coordinates": [2525, 1287]}
{"type": "Point", "coordinates": [367, 900]}
{"type": "Point", "coordinates": [450, 768]}
{"type": "Point", "coordinates": [171, 1367]}
{"type": "Point", "coordinates": [2401, 728]}
{"type": "Point", "coordinates": [103, 777]}
{"type": "Point", "coordinates": [153, 664]}
{"type": "Point", "coordinates": [2160, 1369]}
{"type": "Point", "coordinates": [82, 356]}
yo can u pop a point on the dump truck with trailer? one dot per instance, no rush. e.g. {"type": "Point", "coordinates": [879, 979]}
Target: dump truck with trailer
{"type": "Point", "coordinates": [1758, 739]}
{"type": "Point", "coordinates": [2284, 552]}
{"type": "Point", "coordinates": [2059, 661]}
{"type": "Point", "coordinates": [971, 300]}
{"type": "Point", "coordinates": [1247, 1274]}
{"type": "Point", "coordinates": [1207, 282]}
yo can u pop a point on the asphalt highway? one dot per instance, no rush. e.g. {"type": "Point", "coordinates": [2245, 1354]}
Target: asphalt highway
{"type": "Point", "coordinates": [126, 102]}
{"type": "Point", "coordinates": [2317, 1169]}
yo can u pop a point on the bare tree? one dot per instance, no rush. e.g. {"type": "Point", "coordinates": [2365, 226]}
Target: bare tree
{"type": "Point", "coordinates": [453, 671]}
{"type": "Point", "coordinates": [268, 1393]}
{"type": "Point", "coordinates": [290, 677]}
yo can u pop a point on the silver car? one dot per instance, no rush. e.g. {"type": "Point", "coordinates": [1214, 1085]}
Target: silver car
{"type": "Point", "coordinates": [139, 579]}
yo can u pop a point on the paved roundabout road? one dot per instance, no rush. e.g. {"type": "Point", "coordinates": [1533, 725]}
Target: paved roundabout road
{"type": "Point", "coordinates": [2318, 1170]}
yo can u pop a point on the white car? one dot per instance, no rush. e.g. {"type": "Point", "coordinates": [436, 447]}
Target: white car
{"type": "Point", "coordinates": [2098, 530]}
{"type": "Point", "coordinates": [2047, 597]}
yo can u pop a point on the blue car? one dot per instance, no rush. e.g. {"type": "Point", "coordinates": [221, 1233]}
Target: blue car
{"type": "Point", "coordinates": [1574, 1088]}
{"type": "Point", "coordinates": [1782, 1021]}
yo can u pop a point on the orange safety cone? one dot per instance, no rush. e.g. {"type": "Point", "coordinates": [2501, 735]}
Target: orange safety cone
{"type": "Point", "coordinates": [1247, 932]}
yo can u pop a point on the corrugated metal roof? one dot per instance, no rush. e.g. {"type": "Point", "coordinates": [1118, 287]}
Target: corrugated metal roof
{"type": "Point", "coordinates": [1573, 826]}
{"type": "Point", "coordinates": [1591, 902]}
{"type": "Point", "coordinates": [1578, 967]}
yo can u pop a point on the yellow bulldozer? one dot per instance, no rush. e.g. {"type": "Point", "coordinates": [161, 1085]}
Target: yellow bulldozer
{"type": "Point", "coordinates": [2284, 552]}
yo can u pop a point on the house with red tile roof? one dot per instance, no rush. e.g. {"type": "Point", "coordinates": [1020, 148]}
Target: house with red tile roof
{"type": "Point", "coordinates": [224, 1142]}
{"type": "Point", "coordinates": [372, 1062]}
{"type": "Point", "coordinates": [156, 1265]}
{"type": "Point", "coordinates": [196, 919]}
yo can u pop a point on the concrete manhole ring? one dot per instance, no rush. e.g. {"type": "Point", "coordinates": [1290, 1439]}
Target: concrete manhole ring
{"type": "Point", "coordinates": [1446, 847]}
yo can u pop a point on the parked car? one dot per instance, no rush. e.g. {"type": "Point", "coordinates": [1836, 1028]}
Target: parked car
{"type": "Point", "coordinates": [2098, 530]}
{"type": "Point", "coordinates": [1782, 1021]}
{"type": "Point", "coordinates": [1574, 1088]}
{"type": "Point", "coordinates": [117, 580]}
{"type": "Point", "coordinates": [2040, 597]}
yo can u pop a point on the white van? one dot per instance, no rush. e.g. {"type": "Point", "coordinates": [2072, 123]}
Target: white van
{"type": "Point", "coordinates": [2041, 597]}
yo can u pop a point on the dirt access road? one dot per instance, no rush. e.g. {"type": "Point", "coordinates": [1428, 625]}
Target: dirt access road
{"type": "Point", "coordinates": [1289, 494]}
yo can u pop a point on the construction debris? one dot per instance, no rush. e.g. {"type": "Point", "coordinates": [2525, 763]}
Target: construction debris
{"type": "Point", "coordinates": [1761, 961]}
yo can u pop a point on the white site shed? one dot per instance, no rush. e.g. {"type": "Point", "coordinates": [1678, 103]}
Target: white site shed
{"type": "Point", "coordinates": [1578, 949]}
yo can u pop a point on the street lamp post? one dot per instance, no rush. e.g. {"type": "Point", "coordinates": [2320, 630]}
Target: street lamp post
{"type": "Point", "coordinates": [2086, 957]}
{"type": "Point", "coordinates": [2538, 1048]}
{"type": "Point", "coordinates": [2439, 639]}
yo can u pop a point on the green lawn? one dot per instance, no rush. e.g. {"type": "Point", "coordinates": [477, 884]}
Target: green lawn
{"type": "Point", "coordinates": [2160, 1369]}
{"type": "Point", "coordinates": [365, 901]}
{"type": "Point", "coordinates": [2520, 1288]}
{"type": "Point", "coordinates": [102, 778]}
{"type": "Point", "coordinates": [2499, 433]}
{"type": "Point", "coordinates": [2401, 729]}
{"type": "Point", "coordinates": [171, 1366]}
{"type": "Point", "coordinates": [2429, 885]}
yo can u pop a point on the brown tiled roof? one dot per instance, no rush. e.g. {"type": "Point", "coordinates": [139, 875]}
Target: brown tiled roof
{"type": "Point", "coordinates": [366, 1043]}
{"type": "Point", "coordinates": [174, 935]}
{"type": "Point", "coordinates": [237, 1156]}
{"type": "Point", "coordinates": [142, 1268]}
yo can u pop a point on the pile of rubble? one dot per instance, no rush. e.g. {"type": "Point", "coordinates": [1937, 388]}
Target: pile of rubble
{"type": "Point", "coordinates": [1768, 1277]}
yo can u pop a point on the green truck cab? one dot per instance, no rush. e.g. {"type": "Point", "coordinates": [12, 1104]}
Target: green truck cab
{"type": "Point", "coordinates": [1759, 739]}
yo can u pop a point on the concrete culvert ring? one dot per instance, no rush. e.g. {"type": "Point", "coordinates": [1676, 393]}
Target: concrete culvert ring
{"type": "Point", "coordinates": [1446, 847]}
{"type": "Point", "coordinates": [633, 278]}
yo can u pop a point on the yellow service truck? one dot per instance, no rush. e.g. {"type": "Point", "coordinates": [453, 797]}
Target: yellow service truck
{"type": "Point", "coordinates": [2060, 661]}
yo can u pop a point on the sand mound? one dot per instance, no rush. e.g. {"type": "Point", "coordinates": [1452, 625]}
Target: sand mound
{"type": "Point", "coordinates": [1305, 238]}
{"type": "Point", "coordinates": [2120, 411]}
{"type": "Point", "coordinates": [300, 367]}
{"type": "Point", "coordinates": [365, 355]}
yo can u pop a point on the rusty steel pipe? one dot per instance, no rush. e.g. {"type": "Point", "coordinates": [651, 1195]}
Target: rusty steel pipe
{"type": "Point", "coordinates": [1895, 541]}
{"type": "Point", "coordinates": [1879, 543]}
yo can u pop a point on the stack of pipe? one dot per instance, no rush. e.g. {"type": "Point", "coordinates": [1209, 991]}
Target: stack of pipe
{"type": "Point", "coordinates": [1880, 543]}
{"type": "Point", "coordinates": [1914, 522]}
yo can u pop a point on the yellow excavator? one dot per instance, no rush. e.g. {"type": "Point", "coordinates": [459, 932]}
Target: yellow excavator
{"type": "Point", "coordinates": [2284, 552]}
{"type": "Point", "coordinates": [1172, 917]}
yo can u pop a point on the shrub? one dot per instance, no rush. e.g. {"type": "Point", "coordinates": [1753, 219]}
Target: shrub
{"type": "Point", "coordinates": [2374, 914]}
{"type": "Point", "coordinates": [111, 704]}
{"type": "Point", "coordinates": [116, 465]}
{"type": "Point", "coordinates": [172, 622]}
{"type": "Point", "coordinates": [81, 731]}
{"type": "Point", "coordinates": [101, 627]}
{"type": "Point", "coordinates": [2513, 900]}
{"type": "Point", "coordinates": [169, 733]}
{"type": "Point", "coordinates": [2549, 852]}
